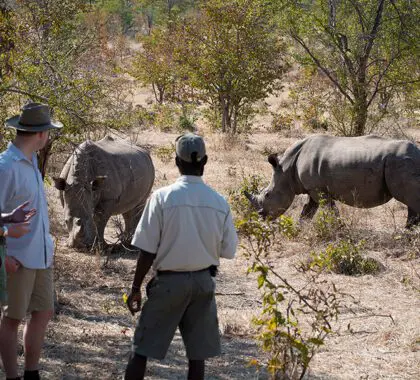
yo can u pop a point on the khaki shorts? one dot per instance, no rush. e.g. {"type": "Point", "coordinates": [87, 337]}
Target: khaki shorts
{"type": "Point", "coordinates": [29, 290]}
{"type": "Point", "coordinates": [184, 300]}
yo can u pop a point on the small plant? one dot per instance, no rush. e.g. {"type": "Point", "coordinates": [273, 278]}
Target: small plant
{"type": "Point", "coordinates": [327, 221]}
{"type": "Point", "coordinates": [281, 122]}
{"type": "Point", "coordinates": [287, 226]}
{"type": "Point", "coordinates": [165, 117]}
{"type": "Point", "coordinates": [239, 204]}
{"type": "Point", "coordinates": [294, 321]}
{"type": "Point", "coordinates": [165, 153]}
{"type": "Point", "coordinates": [344, 257]}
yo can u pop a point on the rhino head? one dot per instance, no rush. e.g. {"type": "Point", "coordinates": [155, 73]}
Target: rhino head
{"type": "Point", "coordinates": [79, 200]}
{"type": "Point", "coordinates": [275, 199]}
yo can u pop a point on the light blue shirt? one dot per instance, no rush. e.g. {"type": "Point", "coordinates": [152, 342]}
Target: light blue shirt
{"type": "Point", "coordinates": [188, 225]}
{"type": "Point", "coordinates": [20, 181]}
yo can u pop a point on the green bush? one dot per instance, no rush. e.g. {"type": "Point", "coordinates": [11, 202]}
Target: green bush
{"type": "Point", "coordinates": [239, 203]}
{"type": "Point", "coordinates": [294, 321]}
{"type": "Point", "coordinates": [344, 257]}
{"type": "Point", "coordinates": [326, 221]}
{"type": "Point", "coordinates": [165, 153]}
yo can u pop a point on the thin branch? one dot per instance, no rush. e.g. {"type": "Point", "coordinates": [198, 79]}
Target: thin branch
{"type": "Point", "coordinates": [324, 70]}
{"type": "Point", "coordinates": [22, 92]}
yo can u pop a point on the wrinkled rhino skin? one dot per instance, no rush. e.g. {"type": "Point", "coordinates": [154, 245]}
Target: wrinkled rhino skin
{"type": "Point", "coordinates": [101, 179]}
{"type": "Point", "coordinates": [364, 172]}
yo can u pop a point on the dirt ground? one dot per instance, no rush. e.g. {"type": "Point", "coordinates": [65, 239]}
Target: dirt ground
{"type": "Point", "coordinates": [377, 335]}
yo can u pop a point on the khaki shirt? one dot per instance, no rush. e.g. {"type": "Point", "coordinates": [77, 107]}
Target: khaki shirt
{"type": "Point", "coordinates": [187, 225]}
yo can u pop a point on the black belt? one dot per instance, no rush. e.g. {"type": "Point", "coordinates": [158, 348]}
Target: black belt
{"type": "Point", "coordinates": [183, 272]}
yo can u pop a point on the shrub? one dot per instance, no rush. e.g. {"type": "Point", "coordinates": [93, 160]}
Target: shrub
{"type": "Point", "coordinates": [327, 221]}
{"type": "Point", "coordinates": [165, 153]}
{"type": "Point", "coordinates": [344, 257]}
{"type": "Point", "coordinates": [294, 321]}
{"type": "Point", "coordinates": [239, 203]}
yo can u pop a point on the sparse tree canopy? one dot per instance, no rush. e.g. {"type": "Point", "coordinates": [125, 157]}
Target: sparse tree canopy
{"type": "Point", "coordinates": [367, 49]}
{"type": "Point", "coordinates": [56, 52]}
{"type": "Point", "coordinates": [229, 53]}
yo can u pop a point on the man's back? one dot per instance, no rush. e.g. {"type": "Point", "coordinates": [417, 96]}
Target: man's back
{"type": "Point", "coordinates": [189, 225]}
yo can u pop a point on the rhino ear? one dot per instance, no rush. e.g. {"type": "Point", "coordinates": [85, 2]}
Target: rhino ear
{"type": "Point", "coordinates": [98, 182]}
{"type": "Point", "coordinates": [60, 183]}
{"type": "Point", "coordinates": [272, 159]}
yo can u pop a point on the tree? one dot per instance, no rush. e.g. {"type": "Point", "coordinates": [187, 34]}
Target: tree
{"type": "Point", "coordinates": [154, 65]}
{"type": "Point", "coordinates": [59, 56]}
{"type": "Point", "coordinates": [366, 48]}
{"type": "Point", "coordinates": [230, 55]}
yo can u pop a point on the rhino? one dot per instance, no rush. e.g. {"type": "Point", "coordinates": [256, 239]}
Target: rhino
{"type": "Point", "coordinates": [100, 179]}
{"type": "Point", "coordinates": [364, 171]}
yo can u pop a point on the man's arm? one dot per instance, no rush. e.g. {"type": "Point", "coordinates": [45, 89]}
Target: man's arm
{"type": "Point", "coordinates": [230, 238]}
{"type": "Point", "coordinates": [144, 262]}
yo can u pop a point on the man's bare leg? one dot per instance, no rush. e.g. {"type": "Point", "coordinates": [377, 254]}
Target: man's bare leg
{"type": "Point", "coordinates": [8, 345]}
{"type": "Point", "coordinates": [33, 337]}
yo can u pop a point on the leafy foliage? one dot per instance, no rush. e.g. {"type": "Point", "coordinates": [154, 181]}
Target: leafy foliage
{"type": "Point", "coordinates": [59, 54]}
{"type": "Point", "coordinates": [294, 321]}
{"type": "Point", "coordinates": [344, 257]}
{"type": "Point", "coordinates": [239, 204]}
{"type": "Point", "coordinates": [364, 49]}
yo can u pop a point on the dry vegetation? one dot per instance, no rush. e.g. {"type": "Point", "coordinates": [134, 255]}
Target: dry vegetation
{"type": "Point", "coordinates": [378, 332]}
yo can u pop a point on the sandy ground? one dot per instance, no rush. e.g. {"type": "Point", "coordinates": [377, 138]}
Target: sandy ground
{"type": "Point", "coordinates": [377, 335]}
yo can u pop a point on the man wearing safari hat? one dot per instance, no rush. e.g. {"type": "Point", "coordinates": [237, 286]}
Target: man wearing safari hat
{"type": "Point", "coordinates": [184, 230]}
{"type": "Point", "coordinates": [30, 286]}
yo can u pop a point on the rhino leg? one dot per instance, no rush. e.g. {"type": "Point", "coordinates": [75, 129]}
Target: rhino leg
{"type": "Point", "coordinates": [309, 209]}
{"type": "Point", "coordinates": [131, 219]}
{"type": "Point", "coordinates": [402, 178]}
{"type": "Point", "coordinates": [413, 218]}
{"type": "Point", "coordinates": [101, 219]}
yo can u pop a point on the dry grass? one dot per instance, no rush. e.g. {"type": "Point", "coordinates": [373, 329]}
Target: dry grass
{"type": "Point", "coordinates": [378, 332]}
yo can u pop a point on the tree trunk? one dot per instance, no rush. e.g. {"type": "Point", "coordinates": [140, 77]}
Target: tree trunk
{"type": "Point", "coordinates": [360, 107]}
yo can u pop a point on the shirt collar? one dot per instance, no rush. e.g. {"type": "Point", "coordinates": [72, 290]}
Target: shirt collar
{"type": "Point", "coordinates": [190, 179]}
{"type": "Point", "coordinates": [18, 155]}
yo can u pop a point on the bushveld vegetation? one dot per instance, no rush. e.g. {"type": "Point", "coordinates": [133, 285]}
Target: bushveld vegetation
{"type": "Point", "coordinates": [342, 67]}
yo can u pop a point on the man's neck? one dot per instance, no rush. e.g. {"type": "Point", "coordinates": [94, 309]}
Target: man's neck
{"type": "Point", "coordinates": [25, 147]}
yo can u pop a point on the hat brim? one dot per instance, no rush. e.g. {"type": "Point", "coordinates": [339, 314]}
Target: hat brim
{"type": "Point", "coordinates": [13, 122]}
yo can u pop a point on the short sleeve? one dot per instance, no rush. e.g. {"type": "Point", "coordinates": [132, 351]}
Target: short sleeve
{"type": "Point", "coordinates": [148, 231]}
{"type": "Point", "coordinates": [230, 238]}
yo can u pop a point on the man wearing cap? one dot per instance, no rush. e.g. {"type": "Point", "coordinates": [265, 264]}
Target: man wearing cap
{"type": "Point", "coordinates": [30, 287]}
{"type": "Point", "coordinates": [184, 230]}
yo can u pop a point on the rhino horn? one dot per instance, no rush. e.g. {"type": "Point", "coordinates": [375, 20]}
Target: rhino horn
{"type": "Point", "coordinates": [252, 198]}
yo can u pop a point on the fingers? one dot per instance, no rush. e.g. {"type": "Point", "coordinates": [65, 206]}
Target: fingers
{"type": "Point", "coordinates": [29, 214]}
{"type": "Point", "coordinates": [134, 303]}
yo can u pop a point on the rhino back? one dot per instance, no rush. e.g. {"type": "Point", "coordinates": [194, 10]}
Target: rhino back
{"type": "Point", "coordinates": [351, 169]}
{"type": "Point", "coordinates": [129, 170]}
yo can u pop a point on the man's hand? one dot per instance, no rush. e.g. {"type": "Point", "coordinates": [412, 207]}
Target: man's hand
{"type": "Point", "coordinates": [19, 214]}
{"type": "Point", "coordinates": [17, 230]}
{"type": "Point", "coordinates": [134, 301]}
{"type": "Point", "coordinates": [12, 265]}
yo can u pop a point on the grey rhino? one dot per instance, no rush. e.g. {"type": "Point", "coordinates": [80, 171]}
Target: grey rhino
{"type": "Point", "coordinates": [364, 172]}
{"type": "Point", "coordinates": [101, 179]}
